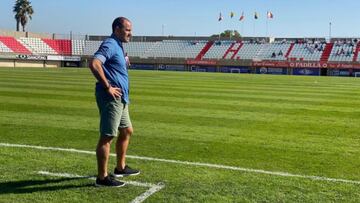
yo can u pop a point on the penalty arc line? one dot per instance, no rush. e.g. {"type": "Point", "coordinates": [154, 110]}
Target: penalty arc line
{"type": "Point", "coordinates": [225, 167]}
{"type": "Point", "coordinates": [152, 187]}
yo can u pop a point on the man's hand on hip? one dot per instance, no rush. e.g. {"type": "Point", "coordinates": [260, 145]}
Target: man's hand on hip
{"type": "Point", "coordinates": [115, 92]}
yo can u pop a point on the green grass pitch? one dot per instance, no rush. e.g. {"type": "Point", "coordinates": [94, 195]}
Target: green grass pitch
{"type": "Point", "coordinates": [308, 126]}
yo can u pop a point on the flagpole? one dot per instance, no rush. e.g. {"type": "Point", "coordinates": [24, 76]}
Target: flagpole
{"type": "Point", "coordinates": [267, 26]}
{"type": "Point", "coordinates": [220, 19]}
{"type": "Point", "coordinates": [255, 18]}
{"type": "Point", "coordinates": [219, 29]}
{"type": "Point", "coordinates": [254, 28]}
{"type": "Point", "coordinates": [242, 28]}
{"type": "Point", "coordinates": [242, 23]}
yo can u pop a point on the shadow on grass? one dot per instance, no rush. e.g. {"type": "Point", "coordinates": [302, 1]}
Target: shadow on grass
{"type": "Point", "coordinates": [31, 186]}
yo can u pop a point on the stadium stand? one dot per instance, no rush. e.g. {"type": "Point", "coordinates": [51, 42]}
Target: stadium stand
{"type": "Point", "coordinates": [91, 47]}
{"type": "Point", "coordinates": [174, 49]}
{"type": "Point", "coordinates": [14, 45]}
{"type": "Point", "coordinates": [251, 50]}
{"type": "Point", "coordinates": [218, 49]}
{"type": "Point", "coordinates": [277, 51]}
{"type": "Point", "coordinates": [306, 51]}
{"type": "Point", "coordinates": [37, 46]}
{"type": "Point", "coordinates": [60, 46]}
{"type": "Point", "coordinates": [139, 49]}
{"type": "Point", "coordinates": [78, 47]}
{"type": "Point", "coordinates": [248, 55]}
{"type": "Point", "coordinates": [4, 48]}
{"type": "Point", "coordinates": [204, 50]}
{"type": "Point", "coordinates": [233, 50]}
{"type": "Point", "coordinates": [342, 52]}
{"type": "Point", "coordinates": [356, 55]}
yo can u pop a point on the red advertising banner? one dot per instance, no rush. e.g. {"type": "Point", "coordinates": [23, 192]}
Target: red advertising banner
{"type": "Point", "coordinates": [271, 63]}
{"type": "Point", "coordinates": [302, 64]}
{"type": "Point", "coordinates": [200, 62]}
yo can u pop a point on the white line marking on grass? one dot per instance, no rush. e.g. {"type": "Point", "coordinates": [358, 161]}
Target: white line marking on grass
{"type": "Point", "coordinates": [148, 193]}
{"type": "Point", "coordinates": [152, 187]}
{"type": "Point", "coordinates": [234, 168]}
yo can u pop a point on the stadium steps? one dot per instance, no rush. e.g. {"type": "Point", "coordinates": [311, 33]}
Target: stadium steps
{"type": "Point", "coordinates": [148, 53]}
{"type": "Point", "coordinates": [204, 50]}
{"type": "Point", "coordinates": [289, 50]}
{"type": "Point", "coordinates": [326, 53]}
{"type": "Point", "coordinates": [237, 50]}
{"type": "Point", "coordinates": [37, 46]}
{"type": "Point", "coordinates": [234, 49]}
{"type": "Point", "coordinates": [263, 49]}
{"type": "Point", "coordinates": [228, 50]}
{"type": "Point", "coordinates": [14, 45]}
{"type": "Point", "coordinates": [4, 48]}
{"type": "Point", "coordinates": [61, 46]}
{"type": "Point", "coordinates": [356, 54]}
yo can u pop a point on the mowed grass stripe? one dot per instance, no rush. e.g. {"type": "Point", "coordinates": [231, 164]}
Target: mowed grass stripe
{"type": "Point", "coordinates": [212, 152]}
{"type": "Point", "coordinates": [75, 95]}
{"type": "Point", "coordinates": [201, 137]}
{"type": "Point", "coordinates": [198, 114]}
{"type": "Point", "coordinates": [203, 110]}
{"type": "Point", "coordinates": [353, 93]}
{"type": "Point", "coordinates": [209, 185]}
{"type": "Point", "coordinates": [232, 88]}
{"type": "Point", "coordinates": [281, 157]}
{"type": "Point", "coordinates": [48, 80]}
{"type": "Point", "coordinates": [57, 72]}
{"type": "Point", "coordinates": [267, 97]}
{"type": "Point", "coordinates": [249, 120]}
{"type": "Point", "coordinates": [228, 78]}
{"type": "Point", "coordinates": [262, 104]}
{"type": "Point", "coordinates": [242, 105]}
{"type": "Point", "coordinates": [244, 87]}
{"type": "Point", "coordinates": [248, 106]}
{"type": "Point", "coordinates": [81, 75]}
{"type": "Point", "coordinates": [253, 102]}
{"type": "Point", "coordinates": [49, 102]}
{"type": "Point", "coordinates": [48, 119]}
{"type": "Point", "coordinates": [202, 116]}
{"type": "Point", "coordinates": [47, 86]}
{"type": "Point", "coordinates": [215, 78]}
{"type": "Point", "coordinates": [233, 79]}
{"type": "Point", "coordinates": [335, 100]}
{"type": "Point", "coordinates": [54, 92]}
{"type": "Point", "coordinates": [48, 95]}
{"type": "Point", "coordinates": [347, 96]}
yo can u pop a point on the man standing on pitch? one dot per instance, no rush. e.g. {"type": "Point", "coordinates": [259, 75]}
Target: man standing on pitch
{"type": "Point", "coordinates": [112, 96]}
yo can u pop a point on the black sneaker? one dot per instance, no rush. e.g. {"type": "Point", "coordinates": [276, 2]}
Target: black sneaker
{"type": "Point", "coordinates": [127, 171]}
{"type": "Point", "coordinates": [108, 182]}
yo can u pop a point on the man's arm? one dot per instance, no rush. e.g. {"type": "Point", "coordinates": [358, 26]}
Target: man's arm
{"type": "Point", "coordinates": [97, 70]}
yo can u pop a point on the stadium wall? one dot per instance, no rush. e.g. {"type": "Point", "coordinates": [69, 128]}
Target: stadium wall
{"type": "Point", "coordinates": [25, 34]}
{"type": "Point", "coordinates": [14, 61]}
{"type": "Point", "coordinates": [7, 63]}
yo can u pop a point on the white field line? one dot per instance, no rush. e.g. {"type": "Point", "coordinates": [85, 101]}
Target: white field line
{"type": "Point", "coordinates": [148, 193]}
{"type": "Point", "coordinates": [152, 187]}
{"type": "Point", "coordinates": [234, 168]}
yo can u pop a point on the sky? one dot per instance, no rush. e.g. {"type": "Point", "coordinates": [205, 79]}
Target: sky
{"type": "Point", "coordinates": [305, 18]}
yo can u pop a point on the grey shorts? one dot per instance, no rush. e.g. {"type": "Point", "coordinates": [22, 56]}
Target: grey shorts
{"type": "Point", "coordinates": [114, 114]}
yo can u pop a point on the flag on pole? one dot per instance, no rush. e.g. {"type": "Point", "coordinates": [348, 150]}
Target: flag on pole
{"type": "Point", "coordinates": [256, 16]}
{"type": "Point", "coordinates": [270, 15]}
{"type": "Point", "coordinates": [220, 17]}
{"type": "Point", "coordinates": [232, 14]}
{"type": "Point", "coordinates": [242, 16]}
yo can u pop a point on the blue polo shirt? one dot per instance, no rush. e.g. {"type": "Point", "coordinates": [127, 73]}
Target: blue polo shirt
{"type": "Point", "coordinates": [111, 54]}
